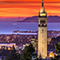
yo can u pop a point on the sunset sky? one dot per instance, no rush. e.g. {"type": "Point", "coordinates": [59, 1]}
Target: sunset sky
{"type": "Point", "coordinates": [27, 8]}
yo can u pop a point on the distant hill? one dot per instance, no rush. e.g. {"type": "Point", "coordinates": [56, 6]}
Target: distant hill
{"type": "Point", "coordinates": [31, 19]}
{"type": "Point", "coordinates": [35, 19]}
{"type": "Point", "coordinates": [11, 18]}
{"type": "Point", "coordinates": [53, 19]}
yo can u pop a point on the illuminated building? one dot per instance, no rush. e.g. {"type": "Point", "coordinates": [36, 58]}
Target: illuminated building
{"type": "Point", "coordinates": [51, 54]}
{"type": "Point", "coordinates": [7, 45]}
{"type": "Point", "coordinates": [34, 42]}
{"type": "Point", "coordinates": [42, 33]}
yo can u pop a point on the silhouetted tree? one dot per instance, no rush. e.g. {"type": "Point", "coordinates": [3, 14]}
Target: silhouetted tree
{"type": "Point", "coordinates": [13, 55]}
{"type": "Point", "coordinates": [28, 53]}
{"type": "Point", "coordinates": [51, 58]}
{"type": "Point", "coordinates": [40, 57]}
{"type": "Point", "coordinates": [57, 51]}
{"type": "Point", "coordinates": [2, 57]}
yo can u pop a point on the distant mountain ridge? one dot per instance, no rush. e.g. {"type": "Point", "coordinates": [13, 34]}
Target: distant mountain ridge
{"type": "Point", "coordinates": [35, 19]}
{"type": "Point", "coordinates": [53, 19]}
{"type": "Point", "coordinates": [31, 19]}
{"type": "Point", "coordinates": [12, 19]}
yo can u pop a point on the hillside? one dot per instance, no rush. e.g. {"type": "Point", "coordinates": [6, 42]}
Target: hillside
{"type": "Point", "coordinates": [35, 19]}
{"type": "Point", "coordinates": [11, 18]}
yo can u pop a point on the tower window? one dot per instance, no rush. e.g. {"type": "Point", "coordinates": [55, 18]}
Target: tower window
{"type": "Point", "coordinates": [42, 21]}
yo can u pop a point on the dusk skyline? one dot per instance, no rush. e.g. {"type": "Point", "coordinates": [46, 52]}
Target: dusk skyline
{"type": "Point", "coordinates": [29, 29]}
{"type": "Point", "coordinates": [28, 8]}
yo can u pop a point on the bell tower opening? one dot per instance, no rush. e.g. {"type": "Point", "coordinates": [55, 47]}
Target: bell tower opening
{"type": "Point", "coordinates": [42, 23]}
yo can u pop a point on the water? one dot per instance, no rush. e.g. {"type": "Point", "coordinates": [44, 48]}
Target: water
{"type": "Point", "coordinates": [9, 27]}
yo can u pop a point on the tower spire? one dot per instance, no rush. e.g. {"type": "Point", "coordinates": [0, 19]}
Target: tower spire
{"type": "Point", "coordinates": [42, 8]}
{"type": "Point", "coordinates": [42, 2]}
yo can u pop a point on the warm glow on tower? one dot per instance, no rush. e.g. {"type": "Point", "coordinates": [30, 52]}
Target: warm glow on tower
{"type": "Point", "coordinates": [42, 33]}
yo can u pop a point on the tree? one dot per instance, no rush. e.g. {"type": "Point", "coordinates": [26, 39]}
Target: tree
{"type": "Point", "coordinates": [28, 53]}
{"type": "Point", "coordinates": [2, 58]}
{"type": "Point", "coordinates": [51, 58]}
{"type": "Point", "coordinates": [57, 51]}
{"type": "Point", "coordinates": [13, 55]}
{"type": "Point", "coordinates": [40, 57]}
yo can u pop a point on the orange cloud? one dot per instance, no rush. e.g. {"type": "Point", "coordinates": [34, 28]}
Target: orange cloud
{"type": "Point", "coordinates": [25, 8]}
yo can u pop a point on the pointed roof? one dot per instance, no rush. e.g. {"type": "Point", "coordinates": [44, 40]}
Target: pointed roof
{"type": "Point", "coordinates": [42, 8]}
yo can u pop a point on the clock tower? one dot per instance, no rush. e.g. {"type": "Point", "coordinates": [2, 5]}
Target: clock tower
{"type": "Point", "coordinates": [42, 33]}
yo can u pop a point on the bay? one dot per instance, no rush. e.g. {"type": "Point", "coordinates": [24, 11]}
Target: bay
{"type": "Point", "coordinates": [9, 27]}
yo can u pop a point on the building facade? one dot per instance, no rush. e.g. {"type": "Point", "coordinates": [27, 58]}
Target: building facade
{"type": "Point", "coordinates": [42, 33]}
{"type": "Point", "coordinates": [7, 46]}
{"type": "Point", "coordinates": [34, 42]}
